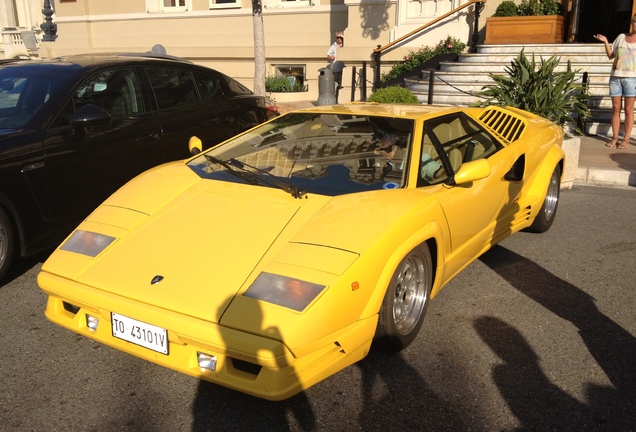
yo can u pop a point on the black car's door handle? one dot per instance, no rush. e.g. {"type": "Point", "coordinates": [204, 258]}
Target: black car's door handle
{"type": "Point", "coordinates": [149, 137]}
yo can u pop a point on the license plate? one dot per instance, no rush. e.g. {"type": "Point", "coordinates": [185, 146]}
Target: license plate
{"type": "Point", "coordinates": [139, 333]}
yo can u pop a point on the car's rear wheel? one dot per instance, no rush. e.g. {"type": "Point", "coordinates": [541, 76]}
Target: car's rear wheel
{"type": "Point", "coordinates": [405, 301]}
{"type": "Point", "coordinates": [546, 215]}
{"type": "Point", "coordinates": [6, 243]}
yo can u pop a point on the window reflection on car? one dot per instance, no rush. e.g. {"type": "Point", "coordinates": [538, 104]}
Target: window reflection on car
{"type": "Point", "coordinates": [328, 154]}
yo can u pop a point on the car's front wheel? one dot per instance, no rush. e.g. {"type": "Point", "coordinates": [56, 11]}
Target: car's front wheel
{"type": "Point", "coordinates": [546, 215]}
{"type": "Point", "coordinates": [6, 243]}
{"type": "Point", "coordinates": [405, 301]}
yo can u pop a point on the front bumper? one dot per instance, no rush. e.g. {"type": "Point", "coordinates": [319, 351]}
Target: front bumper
{"type": "Point", "coordinates": [245, 362]}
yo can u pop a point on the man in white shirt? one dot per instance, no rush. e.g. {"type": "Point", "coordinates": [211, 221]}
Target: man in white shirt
{"type": "Point", "coordinates": [336, 65]}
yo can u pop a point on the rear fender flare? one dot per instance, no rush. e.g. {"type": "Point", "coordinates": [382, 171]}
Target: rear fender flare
{"type": "Point", "coordinates": [540, 186]}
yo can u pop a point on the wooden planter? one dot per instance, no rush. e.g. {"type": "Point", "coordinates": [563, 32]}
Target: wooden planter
{"type": "Point", "coordinates": [524, 29]}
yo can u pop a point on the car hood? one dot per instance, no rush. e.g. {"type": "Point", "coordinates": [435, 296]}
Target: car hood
{"type": "Point", "coordinates": [204, 248]}
{"type": "Point", "coordinates": [207, 240]}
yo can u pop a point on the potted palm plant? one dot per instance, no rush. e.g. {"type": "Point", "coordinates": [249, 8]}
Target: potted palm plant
{"type": "Point", "coordinates": [531, 21]}
{"type": "Point", "coordinates": [540, 88]}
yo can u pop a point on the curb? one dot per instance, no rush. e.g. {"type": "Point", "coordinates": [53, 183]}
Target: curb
{"type": "Point", "coordinates": [606, 177]}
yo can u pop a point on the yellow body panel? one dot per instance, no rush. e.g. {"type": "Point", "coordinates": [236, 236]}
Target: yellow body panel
{"type": "Point", "coordinates": [208, 241]}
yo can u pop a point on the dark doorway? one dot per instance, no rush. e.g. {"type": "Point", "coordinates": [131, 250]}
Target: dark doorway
{"type": "Point", "coordinates": [606, 17]}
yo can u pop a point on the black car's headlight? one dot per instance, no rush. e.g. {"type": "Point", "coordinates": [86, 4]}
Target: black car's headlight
{"type": "Point", "coordinates": [284, 291]}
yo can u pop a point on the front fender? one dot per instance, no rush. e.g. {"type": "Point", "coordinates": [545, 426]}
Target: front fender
{"type": "Point", "coordinates": [436, 235]}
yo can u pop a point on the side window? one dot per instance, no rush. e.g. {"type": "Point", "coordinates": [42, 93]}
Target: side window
{"type": "Point", "coordinates": [63, 118]}
{"type": "Point", "coordinates": [167, 6]}
{"type": "Point", "coordinates": [217, 4]}
{"type": "Point", "coordinates": [174, 5]}
{"type": "Point", "coordinates": [172, 86]}
{"type": "Point", "coordinates": [207, 84]}
{"type": "Point", "coordinates": [115, 90]}
{"type": "Point", "coordinates": [431, 169]}
{"type": "Point", "coordinates": [461, 140]}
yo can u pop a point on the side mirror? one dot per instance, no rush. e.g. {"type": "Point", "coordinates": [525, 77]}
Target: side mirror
{"type": "Point", "coordinates": [195, 145]}
{"type": "Point", "coordinates": [471, 171]}
{"type": "Point", "coordinates": [90, 115]}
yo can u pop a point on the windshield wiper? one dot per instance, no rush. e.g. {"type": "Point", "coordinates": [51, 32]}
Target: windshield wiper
{"type": "Point", "coordinates": [270, 178]}
{"type": "Point", "coordinates": [247, 176]}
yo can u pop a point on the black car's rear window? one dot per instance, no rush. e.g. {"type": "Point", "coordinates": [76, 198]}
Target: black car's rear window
{"type": "Point", "coordinates": [172, 86]}
{"type": "Point", "coordinates": [234, 87]}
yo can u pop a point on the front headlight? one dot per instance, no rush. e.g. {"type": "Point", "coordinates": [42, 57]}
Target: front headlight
{"type": "Point", "coordinates": [87, 243]}
{"type": "Point", "coordinates": [284, 291]}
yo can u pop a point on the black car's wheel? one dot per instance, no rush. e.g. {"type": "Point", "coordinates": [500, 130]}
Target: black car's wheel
{"type": "Point", "coordinates": [546, 215]}
{"type": "Point", "coordinates": [6, 243]}
{"type": "Point", "coordinates": [405, 301]}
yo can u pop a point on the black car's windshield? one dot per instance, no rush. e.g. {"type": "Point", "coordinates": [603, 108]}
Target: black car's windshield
{"type": "Point", "coordinates": [22, 92]}
{"type": "Point", "coordinates": [328, 154]}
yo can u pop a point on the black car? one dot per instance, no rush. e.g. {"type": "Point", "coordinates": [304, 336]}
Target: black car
{"type": "Point", "coordinates": [74, 129]}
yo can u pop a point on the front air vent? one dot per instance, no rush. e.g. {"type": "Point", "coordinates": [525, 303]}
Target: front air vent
{"type": "Point", "coordinates": [502, 123]}
{"type": "Point", "coordinates": [70, 307]}
{"type": "Point", "coordinates": [244, 366]}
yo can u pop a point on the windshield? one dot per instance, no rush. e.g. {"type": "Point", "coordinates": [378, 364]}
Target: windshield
{"type": "Point", "coordinates": [22, 93]}
{"type": "Point", "coordinates": [327, 154]}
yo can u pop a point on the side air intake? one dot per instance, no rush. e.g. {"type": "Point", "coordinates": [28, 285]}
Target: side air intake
{"type": "Point", "coordinates": [502, 123]}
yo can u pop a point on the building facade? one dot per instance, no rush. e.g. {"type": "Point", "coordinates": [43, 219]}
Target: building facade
{"type": "Point", "coordinates": [219, 33]}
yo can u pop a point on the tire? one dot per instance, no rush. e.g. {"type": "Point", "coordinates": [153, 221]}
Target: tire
{"type": "Point", "coordinates": [7, 243]}
{"type": "Point", "coordinates": [543, 221]}
{"type": "Point", "coordinates": [406, 301]}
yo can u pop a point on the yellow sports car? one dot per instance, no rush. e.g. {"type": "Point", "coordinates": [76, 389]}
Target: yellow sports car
{"type": "Point", "coordinates": [280, 256]}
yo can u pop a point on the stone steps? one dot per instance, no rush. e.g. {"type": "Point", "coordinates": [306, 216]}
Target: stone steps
{"type": "Point", "coordinates": [547, 49]}
{"type": "Point", "coordinates": [456, 83]}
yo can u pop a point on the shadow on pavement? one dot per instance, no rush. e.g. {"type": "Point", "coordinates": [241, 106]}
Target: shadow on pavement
{"type": "Point", "coordinates": [394, 398]}
{"type": "Point", "coordinates": [397, 398]}
{"type": "Point", "coordinates": [219, 408]}
{"type": "Point", "coordinates": [527, 391]}
{"type": "Point", "coordinates": [22, 265]}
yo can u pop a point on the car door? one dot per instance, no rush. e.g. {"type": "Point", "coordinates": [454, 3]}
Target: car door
{"type": "Point", "coordinates": [84, 165]}
{"type": "Point", "coordinates": [477, 212]}
{"type": "Point", "coordinates": [192, 102]}
{"type": "Point", "coordinates": [23, 92]}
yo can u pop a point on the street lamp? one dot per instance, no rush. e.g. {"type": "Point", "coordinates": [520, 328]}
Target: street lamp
{"type": "Point", "coordinates": [48, 26]}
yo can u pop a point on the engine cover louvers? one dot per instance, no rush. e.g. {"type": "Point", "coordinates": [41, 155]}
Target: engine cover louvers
{"type": "Point", "coordinates": [503, 123]}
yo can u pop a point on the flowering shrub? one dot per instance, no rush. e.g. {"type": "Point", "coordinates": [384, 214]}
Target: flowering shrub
{"type": "Point", "coordinates": [450, 45]}
{"type": "Point", "coordinates": [528, 8]}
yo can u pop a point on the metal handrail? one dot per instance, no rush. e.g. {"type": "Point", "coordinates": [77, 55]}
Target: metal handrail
{"type": "Point", "coordinates": [377, 52]}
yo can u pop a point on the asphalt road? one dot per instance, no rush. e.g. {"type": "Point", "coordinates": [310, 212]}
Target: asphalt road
{"type": "Point", "coordinates": [537, 335]}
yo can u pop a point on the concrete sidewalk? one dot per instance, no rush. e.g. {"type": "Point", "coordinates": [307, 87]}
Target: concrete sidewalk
{"type": "Point", "coordinates": [606, 166]}
{"type": "Point", "coordinates": [598, 164]}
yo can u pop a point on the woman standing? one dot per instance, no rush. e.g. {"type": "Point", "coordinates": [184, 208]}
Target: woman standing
{"type": "Point", "coordinates": [622, 82]}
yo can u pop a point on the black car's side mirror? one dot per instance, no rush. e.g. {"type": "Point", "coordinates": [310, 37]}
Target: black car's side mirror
{"type": "Point", "coordinates": [89, 115]}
